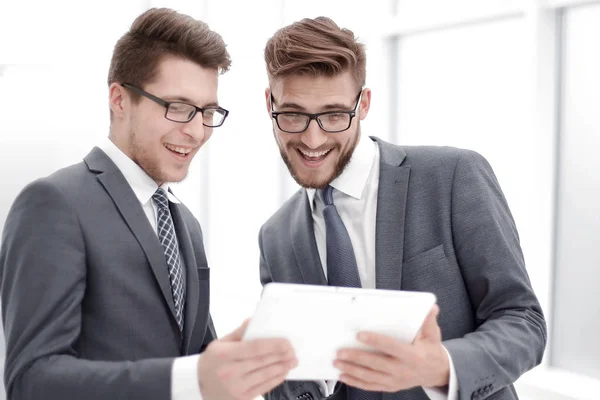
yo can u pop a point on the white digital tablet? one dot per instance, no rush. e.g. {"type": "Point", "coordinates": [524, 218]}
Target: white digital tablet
{"type": "Point", "coordinates": [320, 320]}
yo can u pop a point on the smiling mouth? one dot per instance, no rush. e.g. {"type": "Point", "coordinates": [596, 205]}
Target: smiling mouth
{"type": "Point", "coordinates": [178, 150]}
{"type": "Point", "coordinates": [313, 156]}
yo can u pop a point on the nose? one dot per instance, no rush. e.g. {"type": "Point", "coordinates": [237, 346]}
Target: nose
{"type": "Point", "coordinates": [313, 136]}
{"type": "Point", "coordinates": [195, 129]}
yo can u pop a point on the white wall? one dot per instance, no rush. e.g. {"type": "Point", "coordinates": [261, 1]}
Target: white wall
{"type": "Point", "coordinates": [478, 74]}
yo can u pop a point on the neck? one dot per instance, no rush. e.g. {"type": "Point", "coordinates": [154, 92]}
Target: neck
{"type": "Point", "coordinates": [120, 140]}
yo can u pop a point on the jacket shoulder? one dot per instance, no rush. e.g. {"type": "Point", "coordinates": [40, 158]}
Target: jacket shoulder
{"type": "Point", "coordinates": [282, 216]}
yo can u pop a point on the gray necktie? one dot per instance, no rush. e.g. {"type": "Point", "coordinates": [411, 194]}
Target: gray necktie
{"type": "Point", "coordinates": [168, 239]}
{"type": "Point", "coordinates": [341, 265]}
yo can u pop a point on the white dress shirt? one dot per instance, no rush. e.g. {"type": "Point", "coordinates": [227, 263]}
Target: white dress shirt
{"type": "Point", "coordinates": [184, 373]}
{"type": "Point", "coordinates": [355, 198]}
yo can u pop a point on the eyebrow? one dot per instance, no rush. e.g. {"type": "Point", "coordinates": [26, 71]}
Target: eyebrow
{"type": "Point", "coordinates": [182, 99]}
{"type": "Point", "coordinates": [332, 106]}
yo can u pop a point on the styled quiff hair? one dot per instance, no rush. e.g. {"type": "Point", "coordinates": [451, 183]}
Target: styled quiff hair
{"type": "Point", "coordinates": [315, 47]}
{"type": "Point", "coordinates": [161, 32]}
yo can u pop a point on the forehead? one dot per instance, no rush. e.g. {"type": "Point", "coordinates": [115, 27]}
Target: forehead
{"type": "Point", "coordinates": [315, 91]}
{"type": "Point", "coordinates": [185, 79]}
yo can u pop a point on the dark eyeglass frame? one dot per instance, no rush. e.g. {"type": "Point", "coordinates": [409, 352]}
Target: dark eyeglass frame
{"type": "Point", "coordinates": [166, 105]}
{"type": "Point", "coordinates": [351, 113]}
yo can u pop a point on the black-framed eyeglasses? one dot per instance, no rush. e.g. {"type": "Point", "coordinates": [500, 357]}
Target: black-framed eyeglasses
{"type": "Point", "coordinates": [329, 121]}
{"type": "Point", "coordinates": [212, 116]}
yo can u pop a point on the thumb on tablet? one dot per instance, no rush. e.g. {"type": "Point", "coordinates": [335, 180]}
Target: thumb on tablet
{"type": "Point", "coordinates": [237, 334]}
{"type": "Point", "coordinates": [430, 329]}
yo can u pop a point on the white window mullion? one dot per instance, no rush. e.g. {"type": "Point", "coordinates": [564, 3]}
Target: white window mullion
{"type": "Point", "coordinates": [544, 42]}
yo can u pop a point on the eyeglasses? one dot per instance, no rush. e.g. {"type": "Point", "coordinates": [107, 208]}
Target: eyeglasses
{"type": "Point", "coordinates": [212, 116]}
{"type": "Point", "coordinates": [329, 121]}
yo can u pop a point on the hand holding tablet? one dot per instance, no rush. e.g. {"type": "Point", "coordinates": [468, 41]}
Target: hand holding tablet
{"type": "Point", "coordinates": [320, 320]}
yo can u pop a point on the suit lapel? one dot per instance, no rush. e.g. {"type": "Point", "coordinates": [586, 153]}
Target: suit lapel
{"type": "Point", "coordinates": [124, 198]}
{"type": "Point", "coordinates": [391, 207]}
{"type": "Point", "coordinates": [191, 268]}
{"type": "Point", "coordinates": [305, 246]}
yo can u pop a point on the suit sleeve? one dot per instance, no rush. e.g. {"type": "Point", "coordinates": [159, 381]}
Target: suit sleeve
{"type": "Point", "coordinates": [210, 335]}
{"type": "Point", "coordinates": [289, 390]}
{"type": "Point", "coordinates": [511, 331]}
{"type": "Point", "coordinates": [43, 281]}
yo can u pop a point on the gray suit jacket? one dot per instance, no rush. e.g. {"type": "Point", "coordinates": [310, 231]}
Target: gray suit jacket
{"type": "Point", "coordinates": [442, 226]}
{"type": "Point", "coordinates": [86, 298]}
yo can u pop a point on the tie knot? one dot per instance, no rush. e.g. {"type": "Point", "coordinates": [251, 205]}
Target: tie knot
{"type": "Point", "coordinates": [160, 198]}
{"type": "Point", "coordinates": [327, 194]}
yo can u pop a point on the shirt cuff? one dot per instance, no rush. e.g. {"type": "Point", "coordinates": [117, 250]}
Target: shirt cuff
{"type": "Point", "coordinates": [184, 378]}
{"type": "Point", "coordinates": [449, 392]}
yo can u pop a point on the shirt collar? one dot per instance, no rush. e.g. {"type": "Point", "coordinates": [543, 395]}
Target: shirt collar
{"type": "Point", "coordinates": [354, 178]}
{"type": "Point", "coordinates": [143, 186]}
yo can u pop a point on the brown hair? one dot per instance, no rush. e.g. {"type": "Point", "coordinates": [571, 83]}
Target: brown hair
{"type": "Point", "coordinates": [315, 47]}
{"type": "Point", "coordinates": [159, 32]}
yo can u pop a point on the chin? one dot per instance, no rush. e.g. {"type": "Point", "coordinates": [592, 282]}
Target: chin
{"type": "Point", "coordinates": [176, 178]}
{"type": "Point", "coordinates": [173, 176]}
{"type": "Point", "coordinates": [312, 181]}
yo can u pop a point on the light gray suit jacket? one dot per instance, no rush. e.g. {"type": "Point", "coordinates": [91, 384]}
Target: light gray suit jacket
{"type": "Point", "coordinates": [442, 226]}
{"type": "Point", "coordinates": [86, 298]}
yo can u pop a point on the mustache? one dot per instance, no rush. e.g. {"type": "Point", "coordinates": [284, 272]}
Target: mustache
{"type": "Point", "coordinates": [300, 146]}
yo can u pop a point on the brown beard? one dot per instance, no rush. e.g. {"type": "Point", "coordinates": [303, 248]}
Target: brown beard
{"type": "Point", "coordinates": [338, 168]}
{"type": "Point", "coordinates": [144, 159]}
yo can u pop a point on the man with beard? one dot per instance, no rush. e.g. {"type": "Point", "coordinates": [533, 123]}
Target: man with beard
{"type": "Point", "coordinates": [375, 215]}
{"type": "Point", "coordinates": [104, 278]}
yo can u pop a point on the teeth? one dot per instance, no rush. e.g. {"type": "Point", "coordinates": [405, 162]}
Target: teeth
{"type": "Point", "coordinates": [314, 153]}
{"type": "Point", "coordinates": [181, 150]}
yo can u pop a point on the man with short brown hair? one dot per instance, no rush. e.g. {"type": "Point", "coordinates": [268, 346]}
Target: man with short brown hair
{"type": "Point", "coordinates": [104, 278]}
{"type": "Point", "coordinates": [375, 215]}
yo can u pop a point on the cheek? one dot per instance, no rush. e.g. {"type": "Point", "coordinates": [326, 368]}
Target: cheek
{"type": "Point", "coordinates": [347, 140]}
{"type": "Point", "coordinates": [153, 133]}
{"type": "Point", "coordinates": [207, 134]}
{"type": "Point", "coordinates": [281, 140]}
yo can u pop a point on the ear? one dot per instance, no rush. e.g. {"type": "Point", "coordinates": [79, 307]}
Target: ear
{"type": "Point", "coordinates": [365, 103]}
{"type": "Point", "coordinates": [118, 99]}
{"type": "Point", "coordinates": [268, 99]}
